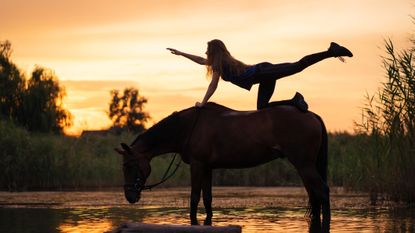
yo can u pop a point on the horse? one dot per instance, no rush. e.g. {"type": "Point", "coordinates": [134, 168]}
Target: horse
{"type": "Point", "coordinates": [214, 136]}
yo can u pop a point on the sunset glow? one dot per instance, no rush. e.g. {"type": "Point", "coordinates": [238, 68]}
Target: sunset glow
{"type": "Point", "coordinates": [95, 46]}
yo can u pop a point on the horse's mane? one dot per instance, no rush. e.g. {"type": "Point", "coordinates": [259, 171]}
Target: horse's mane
{"type": "Point", "coordinates": [161, 131]}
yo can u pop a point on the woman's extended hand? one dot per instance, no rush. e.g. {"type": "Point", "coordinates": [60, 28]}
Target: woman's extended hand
{"type": "Point", "coordinates": [194, 58]}
{"type": "Point", "coordinates": [175, 51]}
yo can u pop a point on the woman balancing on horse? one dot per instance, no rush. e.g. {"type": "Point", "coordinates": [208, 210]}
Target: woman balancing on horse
{"type": "Point", "coordinates": [220, 63]}
{"type": "Point", "coordinates": [301, 138]}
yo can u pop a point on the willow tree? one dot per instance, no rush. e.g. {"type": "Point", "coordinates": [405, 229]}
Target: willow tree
{"type": "Point", "coordinates": [12, 83]}
{"type": "Point", "coordinates": [36, 103]}
{"type": "Point", "coordinates": [42, 106]}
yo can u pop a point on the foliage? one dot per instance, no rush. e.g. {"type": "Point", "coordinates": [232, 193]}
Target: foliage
{"type": "Point", "coordinates": [12, 83]}
{"type": "Point", "coordinates": [42, 101]}
{"type": "Point", "coordinates": [14, 147]}
{"type": "Point", "coordinates": [36, 103]}
{"type": "Point", "coordinates": [127, 111]}
{"type": "Point", "coordinates": [33, 161]}
{"type": "Point", "coordinates": [388, 121]}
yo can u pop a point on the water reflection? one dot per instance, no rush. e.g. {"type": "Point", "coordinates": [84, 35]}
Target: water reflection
{"type": "Point", "coordinates": [86, 220]}
{"type": "Point", "coordinates": [251, 219]}
{"type": "Point", "coordinates": [97, 217]}
{"type": "Point", "coordinates": [86, 227]}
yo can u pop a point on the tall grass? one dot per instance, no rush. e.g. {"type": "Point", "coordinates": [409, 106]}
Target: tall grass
{"type": "Point", "coordinates": [40, 161]}
{"type": "Point", "coordinates": [388, 124]}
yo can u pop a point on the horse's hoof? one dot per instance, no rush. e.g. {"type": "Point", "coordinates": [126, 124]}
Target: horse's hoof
{"type": "Point", "coordinates": [208, 223]}
{"type": "Point", "coordinates": [194, 223]}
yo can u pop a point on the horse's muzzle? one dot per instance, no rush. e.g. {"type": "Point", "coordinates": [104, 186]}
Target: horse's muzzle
{"type": "Point", "coordinates": [132, 196]}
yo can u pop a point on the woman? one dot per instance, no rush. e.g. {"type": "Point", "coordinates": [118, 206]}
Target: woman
{"type": "Point", "coordinates": [220, 63]}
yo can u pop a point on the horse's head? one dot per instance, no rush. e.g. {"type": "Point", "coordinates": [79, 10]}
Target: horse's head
{"type": "Point", "coordinates": [136, 169]}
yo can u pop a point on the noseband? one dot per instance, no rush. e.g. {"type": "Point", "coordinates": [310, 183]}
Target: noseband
{"type": "Point", "coordinates": [139, 183]}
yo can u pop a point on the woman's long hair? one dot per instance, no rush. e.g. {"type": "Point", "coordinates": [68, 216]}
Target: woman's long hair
{"type": "Point", "coordinates": [218, 57]}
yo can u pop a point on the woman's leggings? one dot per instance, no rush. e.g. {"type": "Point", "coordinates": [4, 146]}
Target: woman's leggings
{"type": "Point", "coordinates": [267, 74]}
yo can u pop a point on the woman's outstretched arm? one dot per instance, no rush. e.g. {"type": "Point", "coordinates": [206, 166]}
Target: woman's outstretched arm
{"type": "Point", "coordinates": [211, 89]}
{"type": "Point", "coordinates": [197, 59]}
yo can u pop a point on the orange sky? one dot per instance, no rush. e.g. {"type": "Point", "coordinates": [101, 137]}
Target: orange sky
{"type": "Point", "coordinates": [95, 46]}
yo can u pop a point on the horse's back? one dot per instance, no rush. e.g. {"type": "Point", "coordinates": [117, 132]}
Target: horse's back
{"type": "Point", "coordinates": [223, 109]}
{"type": "Point", "coordinates": [283, 116]}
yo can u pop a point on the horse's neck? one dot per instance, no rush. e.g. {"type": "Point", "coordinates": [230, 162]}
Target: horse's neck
{"type": "Point", "coordinates": [160, 148]}
{"type": "Point", "coordinates": [163, 139]}
{"type": "Point", "coordinates": [173, 137]}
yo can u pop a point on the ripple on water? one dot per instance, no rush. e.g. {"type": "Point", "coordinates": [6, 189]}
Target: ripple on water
{"type": "Point", "coordinates": [268, 210]}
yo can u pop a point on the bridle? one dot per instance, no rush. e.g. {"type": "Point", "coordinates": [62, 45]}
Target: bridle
{"type": "Point", "coordinates": [139, 183]}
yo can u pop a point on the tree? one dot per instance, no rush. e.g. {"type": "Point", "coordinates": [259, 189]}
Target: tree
{"type": "Point", "coordinates": [127, 111]}
{"type": "Point", "coordinates": [12, 83]}
{"type": "Point", "coordinates": [42, 108]}
{"type": "Point", "coordinates": [36, 103]}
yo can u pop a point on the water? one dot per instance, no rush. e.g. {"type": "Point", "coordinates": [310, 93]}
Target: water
{"type": "Point", "coordinates": [255, 209]}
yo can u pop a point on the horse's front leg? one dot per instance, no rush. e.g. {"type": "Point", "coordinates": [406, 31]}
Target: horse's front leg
{"type": "Point", "coordinates": [207, 195]}
{"type": "Point", "coordinates": [196, 182]}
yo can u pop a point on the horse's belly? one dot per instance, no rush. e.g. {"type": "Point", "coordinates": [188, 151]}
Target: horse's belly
{"type": "Point", "coordinates": [240, 157]}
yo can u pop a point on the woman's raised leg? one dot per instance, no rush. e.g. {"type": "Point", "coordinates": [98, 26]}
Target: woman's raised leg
{"type": "Point", "coordinates": [267, 74]}
{"type": "Point", "coordinates": [276, 71]}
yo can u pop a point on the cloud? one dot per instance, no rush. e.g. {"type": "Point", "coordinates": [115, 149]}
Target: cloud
{"type": "Point", "coordinates": [94, 86]}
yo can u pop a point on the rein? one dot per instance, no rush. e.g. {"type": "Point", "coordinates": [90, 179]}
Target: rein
{"type": "Point", "coordinates": [165, 176]}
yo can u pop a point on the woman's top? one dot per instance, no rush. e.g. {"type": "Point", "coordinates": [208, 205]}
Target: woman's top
{"type": "Point", "coordinates": [247, 78]}
{"type": "Point", "coordinates": [244, 80]}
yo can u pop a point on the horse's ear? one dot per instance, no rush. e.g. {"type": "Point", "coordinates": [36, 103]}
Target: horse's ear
{"type": "Point", "coordinates": [121, 152]}
{"type": "Point", "coordinates": [126, 148]}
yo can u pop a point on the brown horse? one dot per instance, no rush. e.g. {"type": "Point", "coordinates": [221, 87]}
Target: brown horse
{"type": "Point", "coordinates": [214, 136]}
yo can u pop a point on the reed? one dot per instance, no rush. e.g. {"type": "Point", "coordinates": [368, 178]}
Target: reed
{"type": "Point", "coordinates": [54, 162]}
{"type": "Point", "coordinates": [388, 129]}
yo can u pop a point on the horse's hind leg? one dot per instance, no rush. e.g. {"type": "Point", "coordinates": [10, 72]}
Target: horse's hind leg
{"type": "Point", "coordinates": [318, 193]}
{"type": "Point", "coordinates": [207, 195]}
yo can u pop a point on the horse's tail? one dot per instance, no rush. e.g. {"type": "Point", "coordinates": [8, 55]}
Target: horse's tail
{"type": "Point", "coordinates": [322, 167]}
{"type": "Point", "coordinates": [322, 160]}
